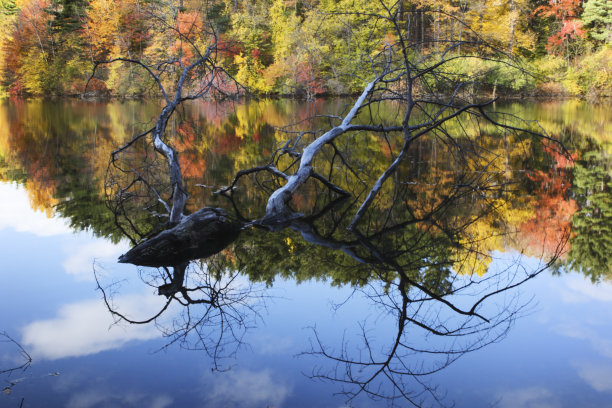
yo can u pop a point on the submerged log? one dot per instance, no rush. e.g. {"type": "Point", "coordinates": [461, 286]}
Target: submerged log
{"type": "Point", "coordinates": [198, 235]}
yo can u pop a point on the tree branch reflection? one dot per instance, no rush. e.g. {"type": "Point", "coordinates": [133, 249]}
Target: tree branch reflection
{"type": "Point", "coordinates": [25, 358]}
{"type": "Point", "coordinates": [404, 196]}
{"type": "Point", "coordinates": [213, 307]}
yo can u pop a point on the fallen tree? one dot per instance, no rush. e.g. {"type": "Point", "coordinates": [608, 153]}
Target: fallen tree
{"type": "Point", "coordinates": [419, 258]}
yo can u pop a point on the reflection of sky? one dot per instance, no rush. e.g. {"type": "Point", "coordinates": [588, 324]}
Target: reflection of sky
{"type": "Point", "coordinates": [95, 398]}
{"type": "Point", "coordinates": [86, 327]}
{"type": "Point", "coordinates": [559, 356]}
{"type": "Point", "coordinates": [15, 213]}
{"type": "Point", "coordinates": [256, 389]}
{"type": "Point", "coordinates": [59, 317]}
{"type": "Point", "coordinates": [80, 256]}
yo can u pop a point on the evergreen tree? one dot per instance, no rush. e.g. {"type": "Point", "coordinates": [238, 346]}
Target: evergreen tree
{"type": "Point", "coordinates": [597, 16]}
{"type": "Point", "coordinates": [68, 14]}
{"type": "Point", "coordinates": [591, 246]}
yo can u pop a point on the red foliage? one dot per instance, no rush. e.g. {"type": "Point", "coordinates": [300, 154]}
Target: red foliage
{"type": "Point", "coordinates": [227, 143]}
{"type": "Point", "coordinates": [560, 9]}
{"type": "Point", "coordinates": [17, 88]}
{"type": "Point", "coordinates": [95, 86]}
{"type": "Point", "coordinates": [566, 12]}
{"type": "Point", "coordinates": [571, 29]}
{"type": "Point", "coordinates": [307, 78]}
{"type": "Point", "coordinates": [221, 84]}
{"type": "Point", "coordinates": [227, 48]}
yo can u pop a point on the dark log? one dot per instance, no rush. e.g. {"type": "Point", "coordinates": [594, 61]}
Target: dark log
{"type": "Point", "coordinates": [198, 235]}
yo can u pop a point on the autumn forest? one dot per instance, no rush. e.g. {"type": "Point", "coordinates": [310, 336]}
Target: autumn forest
{"type": "Point", "coordinates": [216, 202]}
{"type": "Point", "coordinates": [301, 47]}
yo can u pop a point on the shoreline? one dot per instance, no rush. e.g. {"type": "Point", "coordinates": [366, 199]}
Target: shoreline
{"type": "Point", "coordinates": [477, 96]}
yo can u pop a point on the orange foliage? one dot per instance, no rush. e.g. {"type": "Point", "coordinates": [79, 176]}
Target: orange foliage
{"type": "Point", "coordinates": [188, 24]}
{"type": "Point", "coordinates": [29, 31]}
{"type": "Point", "coordinates": [553, 210]}
{"type": "Point", "coordinates": [192, 162]}
{"type": "Point", "coordinates": [42, 195]}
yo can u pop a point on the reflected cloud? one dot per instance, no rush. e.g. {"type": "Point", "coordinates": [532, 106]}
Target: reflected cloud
{"type": "Point", "coordinates": [79, 261]}
{"type": "Point", "coordinates": [580, 289]}
{"type": "Point", "coordinates": [598, 376]}
{"type": "Point", "coordinates": [267, 344]}
{"type": "Point", "coordinates": [16, 213]}
{"type": "Point", "coordinates": [257, 389]}
{"type": "Point", "coordinates": [593, 327]}
{"type": "Point", "coordinates": [579, 331]}
{"type": "Point", "coordinates": [96, 398]}
{"type": "Point", "coordinates": [531, 397]}
{"type": "Point", "coordinates": [87, 327]}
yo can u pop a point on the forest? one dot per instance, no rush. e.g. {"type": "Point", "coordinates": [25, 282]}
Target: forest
{"type": "Point", "coordinates": [303, 48]}
{"type": "Point", "coordinates": [382, 158]}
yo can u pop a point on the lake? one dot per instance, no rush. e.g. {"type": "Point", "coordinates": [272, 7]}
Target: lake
{"type": "Point", "coordinates": [479, 276]}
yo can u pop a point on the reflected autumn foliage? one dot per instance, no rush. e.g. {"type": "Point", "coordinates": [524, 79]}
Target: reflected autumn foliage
{"type": "Point", "coordinates": [59, 150]}
{"type": "Point", "coordinates": [553, 207]}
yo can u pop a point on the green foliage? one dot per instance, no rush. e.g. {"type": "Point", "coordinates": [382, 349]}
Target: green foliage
{"type": "Point", "coordinates": [67, 14]}
{"type": "Point", "coordinates": [591, 246]}
{"type": "Point", "coordinates": [8, 7]}
{"type": "Point", "coordinates": [499, 77]}
{"type": "Point", "coordinates": [218, 15]}
{"type": "Point", "coordinates": [508, 78]}
{"type": "Point", "coordinates": [597, 17]}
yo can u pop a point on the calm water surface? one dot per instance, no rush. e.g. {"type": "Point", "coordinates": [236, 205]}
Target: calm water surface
{"type": "Point", "coordinates": [299, 298]}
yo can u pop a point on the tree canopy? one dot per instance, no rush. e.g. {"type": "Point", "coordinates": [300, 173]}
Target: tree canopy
{"type": "Point", "coordinates": [301, 47]}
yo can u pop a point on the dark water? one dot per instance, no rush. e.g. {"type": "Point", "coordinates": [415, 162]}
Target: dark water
{"type": "Point", "coordinates": [307, 315]}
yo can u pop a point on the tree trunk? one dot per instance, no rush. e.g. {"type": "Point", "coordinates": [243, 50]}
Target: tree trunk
{"type": "Point", "coordinates": [200, 235]}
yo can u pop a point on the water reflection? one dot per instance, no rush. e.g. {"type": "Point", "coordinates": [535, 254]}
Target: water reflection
{"type": "Point", "coordinates": [64, 170]}
{"type": "Point", "coordinates": [420, 253]}
{"type": "Point", "coordinates": [21, 358]}
{"type": "Point", "coordinates": [83, 328]}
{"type": "Point", "coordinates": [431, 236]}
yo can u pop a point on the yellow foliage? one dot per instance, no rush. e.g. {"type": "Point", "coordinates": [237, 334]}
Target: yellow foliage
{"type": "Point", "coordinates": [102, 25]}
{"type": "Point", "coordinates": [32, 71]}
{"type": "Point", "coordinates": [290, 245]}
{"type": "Point", "coordinates": [498, 21]}
{"type": "Point", "coordinates": [489, 233]}
{"type": "Point", "coordinates": [41, 195]}
{"type": "Point", "coordinates": [250, 74]}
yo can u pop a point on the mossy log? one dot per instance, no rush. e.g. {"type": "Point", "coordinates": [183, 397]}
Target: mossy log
{"type": "Point", "coordinates": [199, 235]}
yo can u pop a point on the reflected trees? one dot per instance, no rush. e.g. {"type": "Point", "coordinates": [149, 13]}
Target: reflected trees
{"type": "Point", "coordinates": [592, 223]}
{"type": "Point", "coordinates": [402, 195]}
